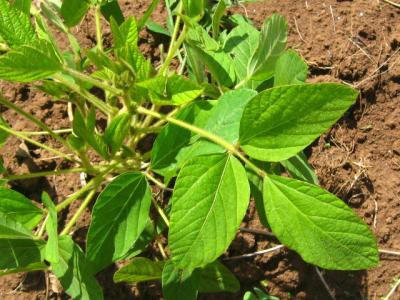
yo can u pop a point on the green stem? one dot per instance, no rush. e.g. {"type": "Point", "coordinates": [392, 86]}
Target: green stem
{"type": "Point", "coordinates": [85, 78]}
{"type": "Point", "coordinates": [156, 181]}
{"type": "Point", "coordinates": [208, 135]}
{"type": "Point", "coordinates": [29, 140]}
{"type": "Point", "coordinates": [98, 28]}
{"type": "Point", "coordinates": [34, 120]}
{"type": "Point", "coordinates": [79, 212]}
{"type": "Point", "coordinates": [44, 173]}
{"type": "Point", "coordinates": [174, 44]}
{"type": "Point", "coordinates": [38, 133]}
{"type": "Point", "coordinates": [101, 105]}
{"type": "Point", "coordinates": [160, 211]}
{"type": "Point", "coordinates": [42, 227]}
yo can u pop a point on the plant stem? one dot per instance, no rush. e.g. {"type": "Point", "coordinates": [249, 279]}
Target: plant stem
{"type": "Point", "coordinates": [160, 211]}
{"type": "Point", "coordinates": [38, 133]}
{"type": "Point", "coordinates": [42, 227]}
{"type": "Point", "coordinates": [104, 107]}
{"type": "Point", "coordinates": [79, 212]}
{"type": "Point", "coordinates": [44, 173]}
{"type": "Point", "coordinates": [43, 146]}
{"type": "Point", "coordinates": [98, 28]}
{"type": "Point", "coordinates": [208, 135]}
{"type": "Point", "coordinates": [156, 182]}
{"type": "Point", "coordinates": [174, 44]}
{"type": "Point", "coordinates": [34, 120]}
{"type": "Point", "coordinates": [85, 78]}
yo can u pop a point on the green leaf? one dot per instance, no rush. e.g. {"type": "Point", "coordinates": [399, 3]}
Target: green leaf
{"type": "Point", "coordinates": [214, 278]}
{"type": "Point", "coordinates": [38, 266]}
{"type": "Point", "coordinates": [258, 295]}
{"type": "Point", "coordinates": [73, 11]}
{"type": "Point", "coordinates": [23, 5]}
{"type": "Point", "coordinates": [140, 269]}
{"type": "Point", "coordinates": [146, 16]}
{"type": "Point", "coordinates": [194, 8]}
{"type": "Point", "coordinates": [75, 273]}
{"type": "Point", "coordinates": [217, 16]}
{"type": "Point", "coordinates": [117, 131]}
{"type": "Point", "coordinates": [19, 208]}
{"type": "Point", "coordinates": [172, 90]}
{"type": "Point", "coordinates": [298, 168]}
{"type": "Point", "coordinates": [125, 35]}
{"type": "Point", "coordinates": [280, 122]}
{"type": "Point", "coordinates": [210, 200]}
{"type": "Point", "coordinates": [15, 26]}
{"type": "Point", "coordinates": [177, 284]}
{"type": "Point", "coordinates": [157, 28]}
{"type": "Point", "coordinates": [271, 45]}
{"type": "Point", "coordinates": [318, 225]}
{"type": "Point", "coordinates": [29, 63]}
{"type": "Point", "coordinates": [17, 245]}
{"type": "Point", "coordinates": [172, 146]}
{"type": "Point", "coordinates": [51, 250]}
{"type": "Point", "coordinates": [219, 63]}
{"type": "Point", "coordinates": [119, 217]}
{"type": "Point", "coordinates": [224, 121]}
{"type": "Point", "coordinates": [290, 69]}
{"type": "Point", "coordinates": [3, 134]}
{"type": "Point", "coordinates": [112, 9]}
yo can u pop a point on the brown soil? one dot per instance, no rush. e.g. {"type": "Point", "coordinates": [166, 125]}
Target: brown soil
{"type": "Point", "coordinates": [354, 42]}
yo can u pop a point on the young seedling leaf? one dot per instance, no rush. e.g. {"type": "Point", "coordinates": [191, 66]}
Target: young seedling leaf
{"type": "Point", "coordinates": [318, 225]}
{"type": "Point", "coordinates": [177, 284]}
{"type": "Point", "coordinates": [217, 16]}
{"type": "Point", "coordinates": [210, 200]}
{"type": "Point", "coordinates": [298, 168]}
{"type": "Point", "coordinates": [16, 206]}
{"type": "Point", "coordinates": [112, 9]}
{"type": "Point", "coordinates": [74, 272]}
{"type": "Point", "coordinates": [219, 63]}
{"type": "Point", "coordinates": [171, 147]}
{"type": "Point", "coordinates": [73, 11]}
{"type": "Point", "coordinates": [140, 269]}
{"type": "Point", "coordinates": [126, 34]}
{"type": "Point", "coordinates": [215, 278]}
{"type": "Point", "coordinates": [18, 247]}
{"type": "Point", "coordinates": [172, 90]}
{"type": "Point", "coordinates": [280, 122]}
{"type": "Point", "coordinates": [118, 218]}
{"type": "Point", "coordinates": [290, 68]}
{"type": "Point", "coordinates": [194, 8]}
{"type": "Point", "coordinates": [258, 295]}
{"type": "Point", "coordinates": [117, 131]}
{"type": "Point", "coordinates": [272, 43]}
{"type": "Point", "coordinates": [15, 26]}
{"type": "Point", "coordinates": [51, 250]}
{"type": "Point", "coordinates": [29, 62]}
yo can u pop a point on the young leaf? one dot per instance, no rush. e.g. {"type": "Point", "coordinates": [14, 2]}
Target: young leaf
{"type": "Point", "coordinates": [119, 217]}
{"type": "Point", "coordinates": [177, 284]}
{"type": "Point", "coordinates": [290, 69]}
{"type": "Point", "coordinates": [125, 35]}
{"type": "Point", "coordinates": [258, 295]}
{"type": "Point", "coordinates": [15, 26]}
{"type": "Point", "coordinates": [29, 62]}
{"type": "Point", "coordinates": [173, 90]}
{"type": "Point", "coordinates": [318, 225]}
{"type": "Point", "coordinates": [144, 20]}
{"type": "Point", "coordinates": [117, 131]}
{"type": "Point", "coordinates": [272, 43]}
{"type": "Point", "coordinates": [75, 273]}
{"type": "Point", "coordinates": [194, 8]}
{"type": "Point", "coordinates": [17, 245]}
{"type": "Point", "coordinates": [140, 269]}
{"type": "Point", "coordinates": [51, 250]}
{"type": "Point", "coordinates": [73, 11]}
{"type": "Point", "coordinates": [19, 208]}
{"type": "Point", "coordinates": [280, 122]}
{"type": "Point", "coordinates": [215, 278]}
{"type": "Point", "coordinates": [298, 168]}
{"type": "Point", "coordinates": [216, 18]}
{"type": "Point", "coordinates": [171, 147]}
{"type": "Point", "coordinates": [23, 5]}
{"type": "Point", "coordinates": [112, 9]}
{"type": "Point", "coordinates": [157, 28]}
{"type": "Point", "coordinates": [219, 63]}
{"type": "Point", "coordinates": [210, 200]}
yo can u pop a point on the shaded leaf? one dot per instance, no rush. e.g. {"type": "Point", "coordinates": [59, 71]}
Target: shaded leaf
{"type": "Point", "coordinates": [140, 269]}
{"type": "Point", "coordinates": [73, 11]}
{"type": "Point", "coordinates": [177, 284]}
{"type": "Point", "coordinates": [51, 250]}
{"type": "Point", "coordinates": [117, 131]}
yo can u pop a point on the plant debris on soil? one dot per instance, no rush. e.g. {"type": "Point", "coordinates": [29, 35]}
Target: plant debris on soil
{"type": "Point", "coordinates": [352, 42]}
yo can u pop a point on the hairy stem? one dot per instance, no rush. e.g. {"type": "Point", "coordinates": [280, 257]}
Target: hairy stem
{"type": "Point", "coordinates": [39, 133]}
{"type": "Point", "coordinates": [44, 173]}
{"type": "Point", "coordinates": [99, 35]}
{"type": "Point", "coordinates": [208, 135]}
{"type": "Point", "coordinates": [43, 146]}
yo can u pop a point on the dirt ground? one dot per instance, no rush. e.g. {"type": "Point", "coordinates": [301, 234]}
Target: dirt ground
{"type": "Point", "coordinates": [353, 42]}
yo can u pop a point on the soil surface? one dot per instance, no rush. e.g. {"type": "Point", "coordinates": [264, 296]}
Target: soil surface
{"type": "Point", "coordinates": [353, 42]}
